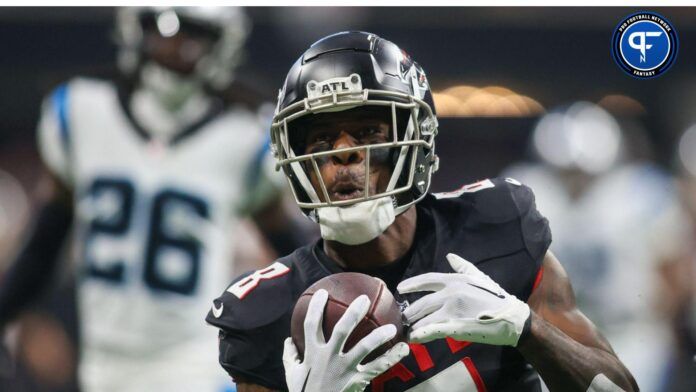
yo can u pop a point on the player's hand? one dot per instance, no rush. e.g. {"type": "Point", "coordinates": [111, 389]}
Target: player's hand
{"type": "Point", "coordinates": [326, 368]}
{"type": "Point", "coordinates": [467, 305]}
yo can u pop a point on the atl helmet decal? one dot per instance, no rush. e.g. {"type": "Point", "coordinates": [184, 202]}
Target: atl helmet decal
{"type": "Point", "coordinates": [351, 83]}
{"type": "Point", "coordinates": [645, 45]}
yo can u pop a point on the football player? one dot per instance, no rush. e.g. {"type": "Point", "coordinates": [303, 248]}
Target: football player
{"type": "Point", "coordinates": [489, 307]}
{"type": "Point", "coordinates": [154, 172]}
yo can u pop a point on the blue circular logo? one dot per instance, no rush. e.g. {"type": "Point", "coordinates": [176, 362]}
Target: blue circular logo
{"type": "Point", "coordinates": [645, 45]}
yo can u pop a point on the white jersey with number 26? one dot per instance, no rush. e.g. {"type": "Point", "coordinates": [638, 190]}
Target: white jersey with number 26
{"type": "Point", "coordinates": [153, 219]}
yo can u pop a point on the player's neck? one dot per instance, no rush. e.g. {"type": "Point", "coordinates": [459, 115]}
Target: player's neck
{"type": "Point", "coordinates": [389, 247]}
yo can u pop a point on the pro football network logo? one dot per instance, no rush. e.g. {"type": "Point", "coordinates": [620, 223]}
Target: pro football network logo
{"type": "Point", "coordinates": [645, 45]}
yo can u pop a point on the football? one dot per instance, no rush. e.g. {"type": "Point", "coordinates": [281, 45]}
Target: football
{"type": "Point", "coordinates": [343, 288]}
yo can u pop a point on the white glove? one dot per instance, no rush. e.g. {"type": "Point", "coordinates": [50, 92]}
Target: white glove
{"type": "Point", "coordinates": [326, 368]}
{"type": "Point", "coordinates": [467, 305]}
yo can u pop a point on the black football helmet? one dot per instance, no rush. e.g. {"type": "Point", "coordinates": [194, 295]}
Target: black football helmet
{"type": "Point", "coordinates": [346, 71]}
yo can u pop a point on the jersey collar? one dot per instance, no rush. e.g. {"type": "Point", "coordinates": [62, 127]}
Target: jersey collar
{"type": "Point", "coordinates": [123, 92]}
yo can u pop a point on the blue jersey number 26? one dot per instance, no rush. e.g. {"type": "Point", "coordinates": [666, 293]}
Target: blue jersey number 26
{"type": "Point", "coordinates": [171, 256]}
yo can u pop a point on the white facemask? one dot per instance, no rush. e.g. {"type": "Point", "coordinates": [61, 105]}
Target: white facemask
{"type": "Point", "coordinates": [358, 223]}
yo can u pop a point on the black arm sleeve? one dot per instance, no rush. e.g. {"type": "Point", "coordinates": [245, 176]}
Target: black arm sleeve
{"type": "Point", "coordinates": [36, 264]}
{"type": "Point", "coordinates": [254, 324]}
{"type": "Point", "coordinates": [254, 357]}
{"type": "Point", "coordinates": [535, 229]}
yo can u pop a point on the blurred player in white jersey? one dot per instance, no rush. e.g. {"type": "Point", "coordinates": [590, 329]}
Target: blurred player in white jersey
{"type": "Point", "coordinates": [679, 289]}
{"type": "Point", "coordinates": [154, 173]}
{"type": "Point", "coordinates": [614, 223]}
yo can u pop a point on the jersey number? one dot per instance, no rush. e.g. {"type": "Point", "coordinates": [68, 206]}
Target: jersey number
{"type": "Point", "coordinates": [469, 188]}
{"type": "Point", "coordinates": [244, 286]}
{"type": "Point", "coordinates": [171, 256]}
{"type": "Point", "coordinates": [461, 376]}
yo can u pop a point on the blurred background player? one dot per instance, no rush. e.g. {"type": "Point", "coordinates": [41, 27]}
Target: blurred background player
{"type": "Point", "coordinates": [679, 276]}
{"type": "Point", "coordinates": [614, 215]}
{"type": "Point", "coordinates": [153, 172]}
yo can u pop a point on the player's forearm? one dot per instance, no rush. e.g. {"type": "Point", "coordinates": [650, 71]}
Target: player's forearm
{"type": "Point", "coordinates": [37, 261]}
{"type": "Point", "coordinates": [566, 365]}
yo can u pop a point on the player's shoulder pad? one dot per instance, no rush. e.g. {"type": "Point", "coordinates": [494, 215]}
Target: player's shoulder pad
{"type": "Point", "coordinates": [81, 84]}
{"type": "Point", "coordinates": [256, 298]}
{"type": "Point", "coordinates": [493, 200]}
{"type": "Point", "coordinates": [60, 98]}
{"type": "Point", "coordinates": [503, 205]}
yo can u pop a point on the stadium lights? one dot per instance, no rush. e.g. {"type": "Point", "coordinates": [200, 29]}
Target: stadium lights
{"type": "Point", "coordinates": [489, 101]}
{"type": "Point", "coordinates": [622, 105]}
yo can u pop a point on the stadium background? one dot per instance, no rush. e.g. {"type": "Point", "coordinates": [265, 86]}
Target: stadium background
{"type": "Point", "coordinates": [546, 57]}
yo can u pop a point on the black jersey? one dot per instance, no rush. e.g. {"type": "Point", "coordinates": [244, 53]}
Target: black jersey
{"type": "Point", "coordinates": [492, 223]}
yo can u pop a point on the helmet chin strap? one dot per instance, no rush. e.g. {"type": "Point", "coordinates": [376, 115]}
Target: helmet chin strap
{"type": "Point", "coordinates": [358, 223]}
